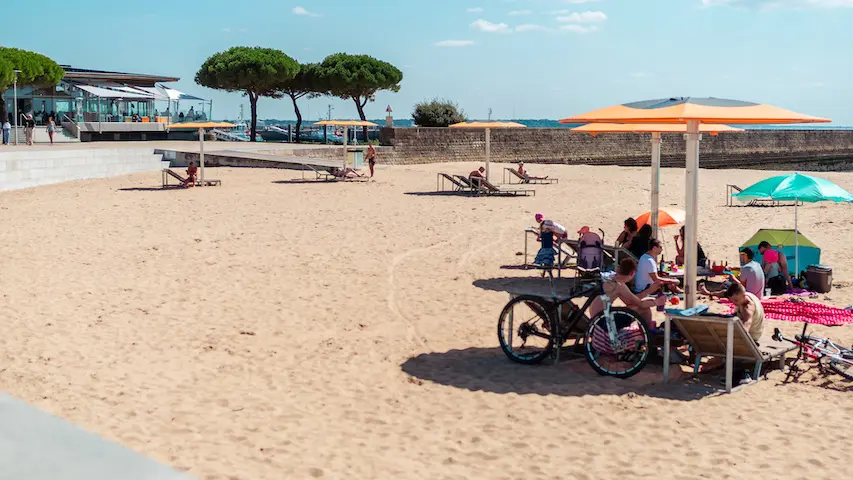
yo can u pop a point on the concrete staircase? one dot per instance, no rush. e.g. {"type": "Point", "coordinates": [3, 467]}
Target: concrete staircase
{"type": "Point", "coordinates": [40, 135]}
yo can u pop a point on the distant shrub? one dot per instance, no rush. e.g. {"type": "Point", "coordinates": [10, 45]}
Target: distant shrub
{"type": "Point", "coordinates": [437, 113]}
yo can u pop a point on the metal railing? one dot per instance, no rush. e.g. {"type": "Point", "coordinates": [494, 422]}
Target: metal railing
{"type": "Point", "coordinates": [70, 126]}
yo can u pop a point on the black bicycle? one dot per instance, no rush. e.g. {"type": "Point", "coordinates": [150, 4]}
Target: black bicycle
{"type": "Point", "coordinates": [616, 342]}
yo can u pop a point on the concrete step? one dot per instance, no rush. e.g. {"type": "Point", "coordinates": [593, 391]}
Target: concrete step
{"type": "Point", "coordinates": [40, 136]}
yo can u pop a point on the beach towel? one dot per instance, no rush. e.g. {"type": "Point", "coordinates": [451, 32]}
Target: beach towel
{"type": "Point", "coordinates": [630, 336]}
{"type": "Point", "coordinates": [810, 312]}
{"type": "Point", "coordinates": [688, 312]}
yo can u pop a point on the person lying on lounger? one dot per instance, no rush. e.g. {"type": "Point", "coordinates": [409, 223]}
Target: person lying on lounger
{"type": "Point", "coordinates": [343, 173]}
{"type": "Point", "coordinates": [523, 173]}
{"type": "Point", "coordinates": [192, 174]}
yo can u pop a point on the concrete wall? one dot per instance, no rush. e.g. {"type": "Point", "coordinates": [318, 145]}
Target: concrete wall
{"type": "Point", "coordinates": [30, 168]}
{"type": "Point", "coordinates": [786, 149]}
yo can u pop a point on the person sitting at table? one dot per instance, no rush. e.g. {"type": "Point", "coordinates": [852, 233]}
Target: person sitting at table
{"type": "Point", "coordinates": [617, 288]}
{"type": "Point", "coordinates": [629, 230]}
{"type": "Point", "coordinates": [751, 277]}
{"type": "Point", "coordinates": [679, 249]}
{"type": "Point", "coordinates": [640, 242]}
{"type": "Point", "coordinates": [647, 271]}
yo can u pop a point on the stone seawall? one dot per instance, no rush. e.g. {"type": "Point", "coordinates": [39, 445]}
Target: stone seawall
{"type": "Point", "coordinates": [809, 150]}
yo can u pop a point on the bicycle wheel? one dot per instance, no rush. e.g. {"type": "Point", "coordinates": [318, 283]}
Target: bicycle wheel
{"type": "Point", "coordinates": [622, 354]}
{"type": "Point", "coordinates": [524, 329]}
{"type": "Point", "coordinates": [843, 365]}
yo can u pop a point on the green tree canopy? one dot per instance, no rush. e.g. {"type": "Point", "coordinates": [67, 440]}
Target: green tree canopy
{"type": "Point", "coordinates": [35, 69]}
{"type": "Point", "coordinates": [255, 71]}
{"type": "Point", "coordinates": [308, 82]}
{"type": "Point", "coordinates": [359, 77]}
{"type": "Point", "coordinates": [437, 113]}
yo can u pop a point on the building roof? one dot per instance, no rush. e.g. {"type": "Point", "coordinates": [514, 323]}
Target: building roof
{"type": "Point", "coordinates": [136, 79]}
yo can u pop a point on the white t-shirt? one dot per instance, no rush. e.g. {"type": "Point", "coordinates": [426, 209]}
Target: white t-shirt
{"type": "Point", "coordinates": [645, 266]}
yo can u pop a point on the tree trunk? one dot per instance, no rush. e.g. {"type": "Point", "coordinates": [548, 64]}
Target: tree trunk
{"type": "Point", "coordinates": [360, 108]}
{"type": "Point", "coordinates": [298, 119]}
{"type": "Point", "coordinates": [3, 114]}
{"type": "Point", "coordinates": [253, 108]}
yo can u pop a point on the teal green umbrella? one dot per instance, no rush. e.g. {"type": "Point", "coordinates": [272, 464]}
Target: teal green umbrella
{"type": "Point", "coordinates": [796, 188]}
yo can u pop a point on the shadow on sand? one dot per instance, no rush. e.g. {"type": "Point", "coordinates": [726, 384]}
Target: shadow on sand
{"type": "Point", "coordinates": [303, 181]}
{"type": "Point", "coordinates": [443, 194]}
{"type": "Point", "coordinates": [488, 370]}
{"type": "Point", "coordinates": [151, 189]}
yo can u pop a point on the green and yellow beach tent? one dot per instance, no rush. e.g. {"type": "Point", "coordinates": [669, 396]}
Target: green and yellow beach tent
{"type": "Point", "coordinates": [809, 252]}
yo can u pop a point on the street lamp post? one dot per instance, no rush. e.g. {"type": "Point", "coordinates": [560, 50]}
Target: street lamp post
{"type": "Point", "coordinates": [15, 96]}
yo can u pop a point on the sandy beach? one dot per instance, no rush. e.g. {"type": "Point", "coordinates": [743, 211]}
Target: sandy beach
{"type": "Point", "coordinates": [272, 328]}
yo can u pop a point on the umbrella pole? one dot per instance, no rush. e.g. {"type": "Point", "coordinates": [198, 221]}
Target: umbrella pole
{"type": "Point", "coordinates": [346, 134]}
{"type": "Point", "coordinates": [796, 242]}
{"type": "Point", "coordinates": [692, 202]}
{"type": "Point", "coordinates": [201, 153]}
{"type": "Point", "coordinates": [488, 151]}
{"type": "Point", "coordinates": [655, 221]}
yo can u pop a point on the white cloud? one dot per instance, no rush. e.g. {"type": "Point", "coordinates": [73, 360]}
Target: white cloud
{"type": "Point", "coordinates": [776, 4]}
{"type": "Point", "coordinates": [641, 75]}
{"type": "Point", "coordinates": [302, 11]}
{"type": "Point", "coordinates": [487, 26]}
{"type": "Point", "coordinates": [521, 12]}
{"type": "Point", "coordinates": [584, 17]}
{"type": "Point", "coordinates": [454, 43]}
{"type": "Point", "coordinates": [475, 10]}
{"type": "Point", "coordinates": [227, 29]}
{"type": "Point", "coordinates": [529, 27]}
{"type": "Point", "coordinates": [574, 28]}
{"type": "Point", "coordinates": [559, 12]}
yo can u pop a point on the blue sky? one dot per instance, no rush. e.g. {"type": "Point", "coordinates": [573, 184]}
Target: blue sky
{"type": "Point", "coordinates": [522, 58]}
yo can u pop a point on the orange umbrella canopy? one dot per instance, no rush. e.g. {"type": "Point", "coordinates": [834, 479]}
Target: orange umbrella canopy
{"type": "Point", "coordinates": [487, 125]}
{"type": "Point", "coordinates": [666, 217]}
{"type": "Point", "coordinates": [347, 123]}
{"type": "Point", "coordinates": [596, 128]}
{"type": "Point", "coordinates": [682, 109]}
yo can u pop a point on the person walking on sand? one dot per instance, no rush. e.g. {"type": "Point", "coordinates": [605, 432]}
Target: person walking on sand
{"type": "Point", "coordinates": [29, 128]}
{"type": "Point", "coordinates": [371, 158]}
{"type": "Point", "coordinates": [51, 128]}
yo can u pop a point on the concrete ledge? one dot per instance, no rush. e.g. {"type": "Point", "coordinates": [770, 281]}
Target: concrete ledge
{"type": "Point", "coordinates": [30, 168]}
{"type": "Point", "coordinates": [35, 445]}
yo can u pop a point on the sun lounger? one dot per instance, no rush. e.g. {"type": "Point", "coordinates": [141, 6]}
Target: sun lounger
{"type": "Point", "coordinates": [326, 176]}
{"type": "Point", "coordinates": [722, 336]}
{"type": "Point", "coordinates": [168, 172]}
{"type": "Point", "coordinates": [526, 178]}
{"type": "Point", "coordinates": [455, 184]}
{"type": "Point", "coordinates": [485, 187]}
{"type": "Point", "coordinates": [730, 201]}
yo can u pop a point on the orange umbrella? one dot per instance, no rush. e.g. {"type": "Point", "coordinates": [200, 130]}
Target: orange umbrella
{"type": "Point", "coordinates": [655, 129]}
{"type": "Point", "coordinates": [666, 217]}
{"type": "Point", "coordinates": [684, 109]}
{"type": "Point", "coordinates": [693, 111]}
{"type": "Point", "coordinates": [596, 128]}
{"type": "Point", "coordinates": [488, 126]}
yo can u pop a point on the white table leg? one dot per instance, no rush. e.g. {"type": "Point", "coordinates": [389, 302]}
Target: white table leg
{"type": "Point", "coordinates": [730, 340]}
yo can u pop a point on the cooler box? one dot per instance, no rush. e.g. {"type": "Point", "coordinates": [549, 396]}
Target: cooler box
{"type": "Point", "coordinates": [819, 278]}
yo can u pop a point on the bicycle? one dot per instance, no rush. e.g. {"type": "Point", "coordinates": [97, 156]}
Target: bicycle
{"type": "Point", "coordinates": [828, 354]}
{"type": "Point", "coordinates": [616, 334]}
